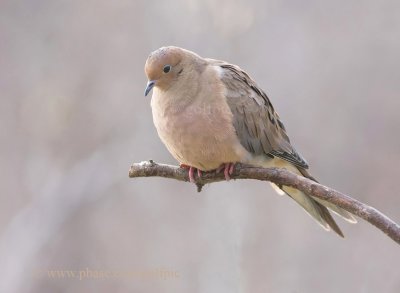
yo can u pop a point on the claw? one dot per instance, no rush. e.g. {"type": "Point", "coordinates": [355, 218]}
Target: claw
{"type": "Point", "coordinates": [226, 172]}
{"type": "Point", "coordinates": [228, 168]}
{"type": "Point", "coordinates": [191, 172]}
{"type": "Point", "coordinates": [231, 168]}
{"type": "Point", "coordinates": [191, 175]}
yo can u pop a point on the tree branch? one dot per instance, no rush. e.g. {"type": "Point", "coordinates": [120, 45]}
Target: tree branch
{"type": "Point", "coordinates": [279, 177]}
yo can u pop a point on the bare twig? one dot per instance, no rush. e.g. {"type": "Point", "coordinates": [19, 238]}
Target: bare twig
{"type": "Point", "coordinates": [279, 177]}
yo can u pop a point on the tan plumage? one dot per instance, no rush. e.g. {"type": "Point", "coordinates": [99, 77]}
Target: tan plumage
{"type": "Point", "coordinates": [209, 112]}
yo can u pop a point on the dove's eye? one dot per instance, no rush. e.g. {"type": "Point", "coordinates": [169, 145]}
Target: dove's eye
{"type": "Point", "coordinates": [167, 68]}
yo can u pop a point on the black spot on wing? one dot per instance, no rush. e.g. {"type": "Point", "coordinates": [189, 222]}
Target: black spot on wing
{"type": "Point", "coordinates": [281, 125]}
{"type": "Point", "coordinates": [271, 117]}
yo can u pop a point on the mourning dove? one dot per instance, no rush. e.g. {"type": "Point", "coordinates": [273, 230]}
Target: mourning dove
{"type": "Point", "coordinates": [210, 115]}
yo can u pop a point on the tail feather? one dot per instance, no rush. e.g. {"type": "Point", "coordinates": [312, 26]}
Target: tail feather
{"type": "Point", "coordinates": [338, 211]}
{"type": "Point", "coordinates": [328, 219]}
{"type": "Point", "coordinates": [315, 207]}
{"type": "Point", "coordinates": [334, 208]}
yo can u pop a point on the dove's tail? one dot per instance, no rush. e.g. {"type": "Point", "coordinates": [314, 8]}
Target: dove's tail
{"type": "Point", "coordinates": [315, 207]}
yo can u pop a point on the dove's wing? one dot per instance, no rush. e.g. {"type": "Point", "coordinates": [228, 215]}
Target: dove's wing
{"type": "Point", "coordinates": [257, 124]}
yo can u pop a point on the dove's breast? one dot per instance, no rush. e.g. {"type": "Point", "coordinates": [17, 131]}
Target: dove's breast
{"type": "Point", "coordinates": [197, 127]}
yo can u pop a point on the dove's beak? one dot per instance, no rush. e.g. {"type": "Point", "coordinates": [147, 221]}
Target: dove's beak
{"type": "Point", "coordinates": [149, 87]}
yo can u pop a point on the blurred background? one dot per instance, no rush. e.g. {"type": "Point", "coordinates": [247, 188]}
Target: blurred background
{"type": "Point", "coordinates": [73, 118]}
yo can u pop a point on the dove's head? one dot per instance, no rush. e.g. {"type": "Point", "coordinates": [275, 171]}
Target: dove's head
{"type": "Point", "coordinates": [166, 66]}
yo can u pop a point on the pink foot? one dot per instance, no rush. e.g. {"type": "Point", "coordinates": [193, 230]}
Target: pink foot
{"type": "Point", "coordinates": [228, 168]}
{"type": "Point", "coordinates": [191, 175]}
{"type": "Point", "coordinates": [191, 172]}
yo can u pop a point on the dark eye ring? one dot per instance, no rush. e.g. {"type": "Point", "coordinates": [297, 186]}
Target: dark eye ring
{"type": "Point", "coordinates": [167, 68]}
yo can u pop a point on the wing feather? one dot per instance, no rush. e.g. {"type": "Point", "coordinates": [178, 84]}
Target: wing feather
{"type": "Point", "coordinates": [256, 122]}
